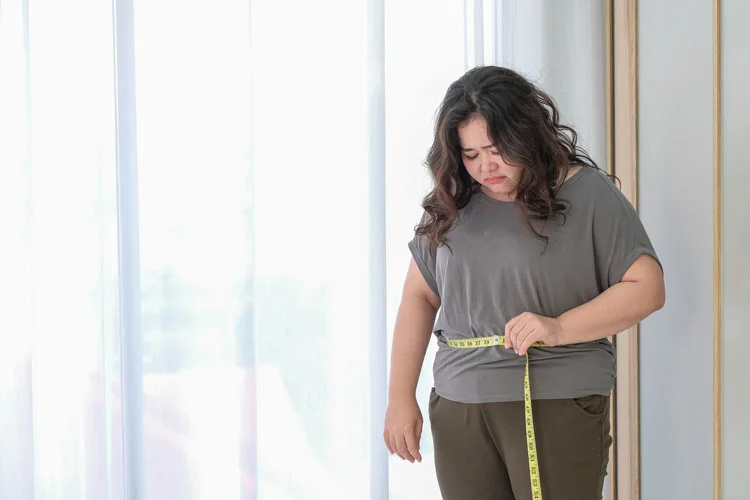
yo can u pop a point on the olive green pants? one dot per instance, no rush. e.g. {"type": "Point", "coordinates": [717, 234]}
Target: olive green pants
{"type": "Point", "coordinates": [480, 449]}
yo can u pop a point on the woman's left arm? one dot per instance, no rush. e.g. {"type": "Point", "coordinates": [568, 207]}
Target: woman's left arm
{"type": "Point", "coordinates": [639, 293]}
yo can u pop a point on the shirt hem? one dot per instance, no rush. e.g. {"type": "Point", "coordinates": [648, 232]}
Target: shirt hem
{"type": "Point", "coordinates": [510, 398]}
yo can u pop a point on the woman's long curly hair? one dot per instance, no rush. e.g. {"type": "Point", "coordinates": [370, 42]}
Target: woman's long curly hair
{"type": "Point", "coordinates": [524, 124]}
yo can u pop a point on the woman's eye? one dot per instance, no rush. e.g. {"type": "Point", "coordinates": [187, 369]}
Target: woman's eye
{"type": "Point", "coordinates": [496, 153]}
{"type": "Point", "coordinates": [471, 157]}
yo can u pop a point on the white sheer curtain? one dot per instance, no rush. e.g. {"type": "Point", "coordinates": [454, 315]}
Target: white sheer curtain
{"type": "Point", "coordinates": [59, 376]}
{"type": "Point", "coordinates": [204, 209]}
{"type": "Point", "coordinates": [419, 69]}
{"type": "Point", "coordinates": [193, 259]}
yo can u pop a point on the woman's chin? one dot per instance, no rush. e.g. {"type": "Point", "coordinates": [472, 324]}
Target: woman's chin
{"type": "Point", "coordinates": [498, 191]}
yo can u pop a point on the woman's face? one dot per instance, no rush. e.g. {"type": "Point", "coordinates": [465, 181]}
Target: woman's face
{"type": "Point", "coordinates": [484, 163]}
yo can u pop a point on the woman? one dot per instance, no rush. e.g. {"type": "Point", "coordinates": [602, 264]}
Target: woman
{"type": "Point", "coordinates": [522, 236]}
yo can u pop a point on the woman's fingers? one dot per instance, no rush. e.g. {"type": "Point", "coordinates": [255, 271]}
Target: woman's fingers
{"type": "Point", "coordinates": [402, 449]}
{"type": "Point", "coordinates": [518, 333]}
{"type": "Point", "coordinates": [403, 429]}
{"type": "Point", "coordinates": [387, 439]}
{"type": "Point", "coordinates": [412, 446]}
{"type": "Point", "coordinates": [508, 328]}
{"type": "Point", "coordinates": [526, 342]}
{"type": "Point", "coordinates": [525, 329]}
{"type": "Point", "coordinates": [405, 444]}
{"type": "Point", "coordinates": [394, 444]}
{"type": "Point", "coordinates": [512, 328]}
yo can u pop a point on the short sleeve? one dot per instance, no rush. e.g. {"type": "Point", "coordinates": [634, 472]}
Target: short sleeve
{"type": "Point", "coordinates": [619, 236]}
{"type": "Point", "coordinates": [420, 250]}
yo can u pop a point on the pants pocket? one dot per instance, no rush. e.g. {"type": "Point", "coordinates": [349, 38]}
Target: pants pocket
{"type": "Point", "coordinates": [594, 406]}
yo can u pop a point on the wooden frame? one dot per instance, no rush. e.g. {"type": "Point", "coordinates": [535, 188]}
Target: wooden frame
{"type": "Point", "coordinates": [624, 155]}
{"type": "Point", "coordinates": [717, 244]}
{"type": "Point", "coordinates": [609, 112]}
{"type": "Point", "coordinates": [622, 151]}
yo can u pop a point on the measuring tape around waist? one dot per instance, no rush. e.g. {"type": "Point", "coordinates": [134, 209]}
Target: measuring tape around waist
{"type": "Point", "coordinates": [499, 340]}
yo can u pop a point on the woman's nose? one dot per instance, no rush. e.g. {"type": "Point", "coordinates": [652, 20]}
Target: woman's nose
{"type": "Point", "coordinates": [485, 163]}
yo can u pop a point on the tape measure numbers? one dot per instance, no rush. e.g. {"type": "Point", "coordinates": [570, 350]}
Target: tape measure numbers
{"type": "Point", "coordinates": [497, 340]}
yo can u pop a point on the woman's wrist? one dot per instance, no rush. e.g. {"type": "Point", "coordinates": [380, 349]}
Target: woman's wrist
{"type": "Point", "coordinates": [402, 394]}
{"type": "Point", "coordinates": [563, 336]}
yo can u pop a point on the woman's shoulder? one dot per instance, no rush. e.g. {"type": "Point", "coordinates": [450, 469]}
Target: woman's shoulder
{"type": "Point", "coordinates": [593, 184]}
{"type": "Point", "coordinates": [587, 175]}
{"type": "Point", "coordinates": [596, 191]}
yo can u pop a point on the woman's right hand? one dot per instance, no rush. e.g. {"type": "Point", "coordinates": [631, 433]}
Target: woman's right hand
{"type": "Point", "coordinates": [403, 429]}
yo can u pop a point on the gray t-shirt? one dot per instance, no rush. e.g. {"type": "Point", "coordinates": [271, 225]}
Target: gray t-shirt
{"type": "Point", "coordinates": [496, 268]}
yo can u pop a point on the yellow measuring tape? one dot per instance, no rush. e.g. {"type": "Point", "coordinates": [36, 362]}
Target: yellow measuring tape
{"type": "Point", "coordinates": [499, 340]}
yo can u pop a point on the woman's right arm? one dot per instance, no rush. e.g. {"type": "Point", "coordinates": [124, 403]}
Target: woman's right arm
{"type": "Point", "coordinates": [414, 324]}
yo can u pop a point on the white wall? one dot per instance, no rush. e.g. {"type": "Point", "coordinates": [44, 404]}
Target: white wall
{"type": "Point", "coordinates": [675, 188]}
{"type": "Point", "coordinates": [736, 249]}
{"type": "Point", "coordinates": [562, 47]}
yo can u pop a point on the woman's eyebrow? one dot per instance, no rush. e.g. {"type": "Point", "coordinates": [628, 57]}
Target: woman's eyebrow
{"type": "Point", "coordinates": [483, 147]}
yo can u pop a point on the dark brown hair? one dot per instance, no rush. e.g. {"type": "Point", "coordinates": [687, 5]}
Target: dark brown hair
{"type": "Point", "coordinates": [523, 124]}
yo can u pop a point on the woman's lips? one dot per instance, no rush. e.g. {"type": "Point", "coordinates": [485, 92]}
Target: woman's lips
{"type": "Point", "coordinates": [495, 180]}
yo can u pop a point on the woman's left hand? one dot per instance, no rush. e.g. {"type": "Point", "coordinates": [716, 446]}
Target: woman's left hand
{"type": "Point", "coordinates": [527, 328]}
